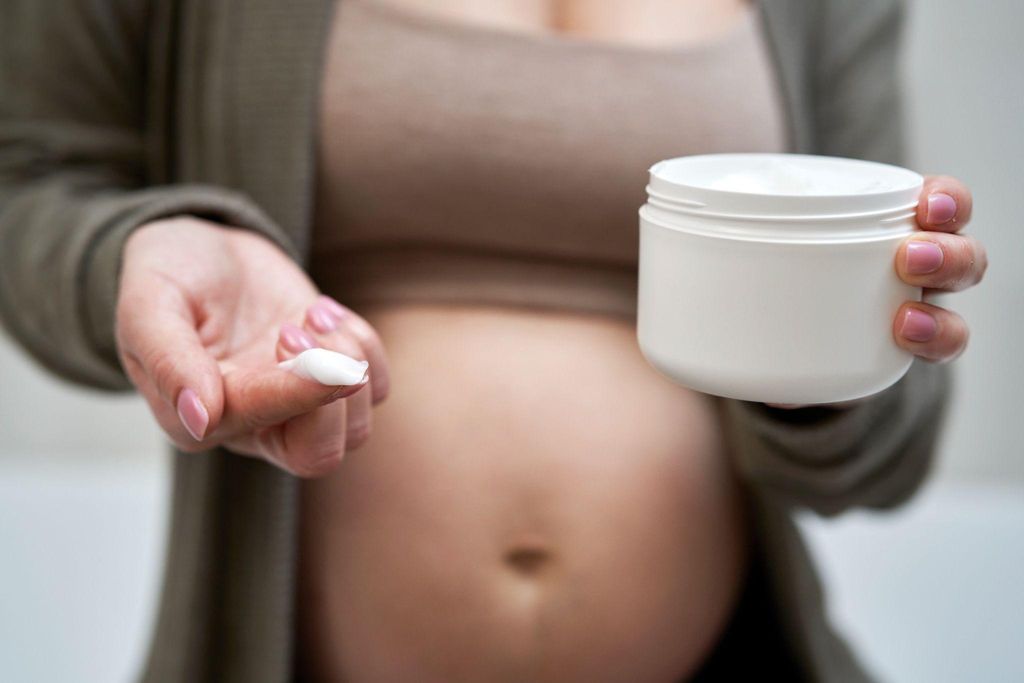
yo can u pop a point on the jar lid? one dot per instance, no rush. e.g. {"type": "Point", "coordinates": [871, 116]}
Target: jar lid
{"type": "Point", "coordinates": [782, 186]}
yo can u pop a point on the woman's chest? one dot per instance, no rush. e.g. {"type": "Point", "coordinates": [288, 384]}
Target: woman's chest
{"type": "Point", "coordinates": [652, 22]}
{"type": "Point", "coordinates": [442, 134]}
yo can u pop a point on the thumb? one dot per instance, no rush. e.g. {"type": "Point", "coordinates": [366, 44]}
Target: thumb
{"type": "Point", "coordinates": [161, 338]}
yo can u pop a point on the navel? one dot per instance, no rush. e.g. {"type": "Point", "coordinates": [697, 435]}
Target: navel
{"type": "Point", "coordinates": [529, 556]}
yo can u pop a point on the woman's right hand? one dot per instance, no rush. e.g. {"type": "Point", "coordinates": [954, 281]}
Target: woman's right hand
{"type": "Point", "coordinates": [205, 313]}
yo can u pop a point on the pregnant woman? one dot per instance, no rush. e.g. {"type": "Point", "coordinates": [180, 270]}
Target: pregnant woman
{"type": "Point", "coordinates": [192, 191]}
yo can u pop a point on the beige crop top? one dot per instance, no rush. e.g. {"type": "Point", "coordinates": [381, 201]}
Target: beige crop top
{"type": "Point", "coordinates": [463, 163]}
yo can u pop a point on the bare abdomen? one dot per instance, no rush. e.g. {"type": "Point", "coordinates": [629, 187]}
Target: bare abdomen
{"type": "Point", "coordinates": [535, 504]}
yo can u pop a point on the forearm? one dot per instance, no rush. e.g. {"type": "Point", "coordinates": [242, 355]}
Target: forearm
{"type": "Point", "coordinates": [873, 454]}
{"type": "Point", "coordinates": [73, 182]}
{"type": "Point", "coordinates": [61, 255]}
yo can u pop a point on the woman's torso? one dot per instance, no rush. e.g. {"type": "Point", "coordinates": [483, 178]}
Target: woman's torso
{"type": "Point", "coordinates": [536, 502]}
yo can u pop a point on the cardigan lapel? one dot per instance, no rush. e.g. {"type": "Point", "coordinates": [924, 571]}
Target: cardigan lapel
{"type": "Point", "coordinates": [247, 101]}
{"type": "Point", "coordinates": [232, 103]}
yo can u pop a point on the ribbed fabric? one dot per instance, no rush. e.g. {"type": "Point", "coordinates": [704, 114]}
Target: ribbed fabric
{"type": "Point", "coordinates": [464, 163]}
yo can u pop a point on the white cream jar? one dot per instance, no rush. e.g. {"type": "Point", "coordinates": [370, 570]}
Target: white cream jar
{"type": "Point", "coordinates": [771, 277]}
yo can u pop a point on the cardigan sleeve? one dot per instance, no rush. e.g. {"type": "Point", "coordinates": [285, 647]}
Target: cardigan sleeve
{"type": "Point", "coordinates": [73, 178]}
{"type": "Point", "coordinates": [877, 453]}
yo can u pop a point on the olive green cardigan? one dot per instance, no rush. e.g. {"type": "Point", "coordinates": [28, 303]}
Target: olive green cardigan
{"type": "Point", "coordinates": [117, 112]}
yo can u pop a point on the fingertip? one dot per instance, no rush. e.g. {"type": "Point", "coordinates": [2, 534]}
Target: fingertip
{"type": "Point", "coordinates": [319, 319]}
{"type": "Point", "coordinates": [333, 307]}
{"type": "Point", "coordinates": [193, 413]}
{"type": "Point", "coordinates": [946, 204]}
{"type": "Point", "coordinates": [940, 208]}
{"type": "Point", "coordinates": [346, 390]}
{"type": "Point", "coordinates": [380, 389]}
{"type": "Point", "coordinates": [293, 340]}
{"type": "Point", "coordinates": [917, 325]}
{"type": "Point", "coordinates": [318, 469]}
{"type": "Point", "coordinates": [930, 332]}
{"type": "Point", "coordinates": [205, 388]}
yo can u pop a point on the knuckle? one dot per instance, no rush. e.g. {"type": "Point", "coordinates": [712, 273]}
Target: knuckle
{"type": "Point", "coordinates": [318, 465]}
{"type": "Point", "coordinates": [961, 270]}
{"type": "Point", "coordinates": [302, 458]}
{"type": "Point", "coordinates": [348, 344]}
{"type": "Point", "coordinates": [254, 418]}
{"type": "Point", "coordinates": [357, 435]}
{"type": "Point", "coordinates": [364, 332]}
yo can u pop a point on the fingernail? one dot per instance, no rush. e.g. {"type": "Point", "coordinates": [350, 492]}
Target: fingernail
{"type": "Point", "coordinates": [296, 339]}
{"type": "Point", "coordinates": [923, 257]}
{"type": "Point", "coordinates": [333, 307]}
{"type": "Point", "coordinates": [192, 414]}
{"type": "Point", "coordinates": [941, 208]}
{"type": "Point", "coordinates": [918, 326]}
{"type": "Point", "coordinates": [320, 320]}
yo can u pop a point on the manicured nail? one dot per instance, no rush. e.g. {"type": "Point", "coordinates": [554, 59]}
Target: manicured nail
{"type": "Point", "coordinates": [923, 257]}
{"type": "Point", "coordinates": [296, 339]}
{"type": "Point", "coordinates": [333, 307]}
{"type": "Point", "coordinates": [941, 208]}
{"type": "Point", "coordinates": [192, 414]}
{"type": "Point", "coordinates": [918, 326]}
{"type": "Point", "coordinates": [321, 320]}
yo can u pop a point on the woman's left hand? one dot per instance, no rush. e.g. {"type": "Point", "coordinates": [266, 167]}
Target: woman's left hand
{"type": "Point", "coordinates": [939, 259]}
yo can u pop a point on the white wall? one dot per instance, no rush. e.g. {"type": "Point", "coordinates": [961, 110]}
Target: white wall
{"type": "Point", "coordinates": [965, 78]}
{"type": "Point", "coordinates": [83, 478]}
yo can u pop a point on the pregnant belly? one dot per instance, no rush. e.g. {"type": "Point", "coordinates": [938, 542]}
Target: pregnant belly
{"type": "Point", "coordinates": [535, 504]}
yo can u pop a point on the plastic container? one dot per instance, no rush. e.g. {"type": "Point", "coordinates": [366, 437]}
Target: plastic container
{"type": "Point", "coordinates": [771, 277]}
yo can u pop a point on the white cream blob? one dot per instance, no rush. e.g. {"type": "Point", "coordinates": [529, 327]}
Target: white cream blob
{"type": "Point", "coordinates": [780, 176]}
{"type": "Point", "coordinates": [329, 368]}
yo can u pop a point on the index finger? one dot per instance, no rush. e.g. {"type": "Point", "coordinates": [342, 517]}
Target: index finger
{"type": "Point", "coordinates": [257, 398]}
{"type": "Point", "coordinates": [945, 205]}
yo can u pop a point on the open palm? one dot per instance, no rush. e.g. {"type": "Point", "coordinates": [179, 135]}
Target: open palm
{"type": "Point", "coordinates": [203, 318]}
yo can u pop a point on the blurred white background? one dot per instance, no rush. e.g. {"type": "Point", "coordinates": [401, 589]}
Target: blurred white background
{"type": "Point", "coordinates": [929, 593]}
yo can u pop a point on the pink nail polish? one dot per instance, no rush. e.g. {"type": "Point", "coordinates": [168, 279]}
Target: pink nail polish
{"type": "Point", "coordinates": [941, 208]}
{"type": "Point", "coordinates": [333, 307]}
{"type": "Point", "coordinates": [918, 326]}
{"type": "Point", "coordinates": [296, 339]}
{"type": "Point", "coordinates": [192, 414]}
{"type": "Point", "coordinates": [923, 257]}
{"type": "Point", "coordinates": [321, 320]}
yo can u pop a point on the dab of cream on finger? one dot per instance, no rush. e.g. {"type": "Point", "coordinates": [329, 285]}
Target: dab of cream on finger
{"type": "Point", "coordinates": [329, 368]}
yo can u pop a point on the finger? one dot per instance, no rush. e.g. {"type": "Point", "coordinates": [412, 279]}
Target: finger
{"type": "Point", "coordinates": [166, 414]}
{"type": "Point", "coordinates": [158, 337]}
{"type": "Point", "coordinates": [331, 334]}
{"type": "Point", "coordinates": [256, 398]}
{"type": "Point", "coordinates": [945, 205]}
{"type": "Point", "coordinates": [292, 341]}
{"type": "Point", "coordinates": [360, 418]}
{"type": "Point", "coordinates": [309, 445]}
{"type": "Point", "coordinates": [938, 260]}
{"type": "Point", "coordinates": [931, 332]}
{"type": "Point", "coordinates": [369, 340]}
